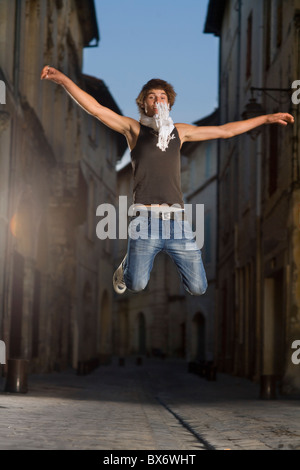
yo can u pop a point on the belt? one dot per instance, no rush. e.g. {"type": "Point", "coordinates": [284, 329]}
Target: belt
{"type": "Point", "coordinates": [172, 215]}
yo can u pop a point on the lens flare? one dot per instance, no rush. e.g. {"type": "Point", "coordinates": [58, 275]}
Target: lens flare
{"type": "Point", "coordinates": [13, 225]}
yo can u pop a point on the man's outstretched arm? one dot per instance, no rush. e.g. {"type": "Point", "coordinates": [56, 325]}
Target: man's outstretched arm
{"type": "Point", "coordinates": [122, 124]}
{"type": "Point", "coordinates": [190, 133]}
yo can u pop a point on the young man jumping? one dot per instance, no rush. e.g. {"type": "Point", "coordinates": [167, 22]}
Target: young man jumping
{"type": "Point", "coordinates": [155, 142]}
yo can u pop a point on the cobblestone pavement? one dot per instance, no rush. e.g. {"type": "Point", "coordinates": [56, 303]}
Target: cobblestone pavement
{"type": "Point", "coordinates": [154, 406]}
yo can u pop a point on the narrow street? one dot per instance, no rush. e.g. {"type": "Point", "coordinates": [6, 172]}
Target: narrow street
{"type": "Point", "coordinates": [157, 405]}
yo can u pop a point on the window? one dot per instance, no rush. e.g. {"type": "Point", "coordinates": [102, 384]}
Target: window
{"type": "Point", "coordinates": [91, 210]}
{"type": "Point", "coordinates": [273, 159]}
{"type": "Point", "coordinates": [36, 313]}
{"type": "Point", "coordinates": [207, 237]}
{"type": "Point", "coordinates": [274, 26]}
{"type": "Point", "coordinates": [245, 174]}
{"type": "Point", "coordinates": [249, 47]}
{"type": "Point", "coordinates": [93, 132]}
{"type": "Point", "coordinates": [268, 33]}
{"type": "Point", "coordinates": [193, 178]}
{"type": "Point", "coordinates": [279, 24]}
{"type": "Point", "coordinates": [110, 147]}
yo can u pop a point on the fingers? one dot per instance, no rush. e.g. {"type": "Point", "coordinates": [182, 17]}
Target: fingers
{"type": "Point", "coordinates": [45, 72]}
{"type": "Point", "coordinates": [283, 118]}
{"type": "Point", "coordinates": [288, 117]}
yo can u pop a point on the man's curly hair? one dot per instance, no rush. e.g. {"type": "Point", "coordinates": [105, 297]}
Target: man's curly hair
{"type": "Point", "coordinates": [156, 84]}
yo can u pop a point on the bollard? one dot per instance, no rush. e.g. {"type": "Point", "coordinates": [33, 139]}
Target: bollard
{"type": "Point", "coordinates": [17, 372]}
{"type": "Point", "coordinates": [192, 367]}
{"type": "Point", "coordinates": [211, 371]}
{"type": "Point", "coordinates": [121, 361]}
{"type": "Point", "coordinates": [268, 387]}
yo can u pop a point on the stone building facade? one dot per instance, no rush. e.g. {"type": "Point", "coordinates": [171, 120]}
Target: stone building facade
{"type": "Point", "coordinates": [57, 164]}
{"type": "Point", "coordinates": [258, 293]}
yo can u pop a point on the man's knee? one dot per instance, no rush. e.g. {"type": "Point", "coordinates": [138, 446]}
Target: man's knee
{"type": "Point", "coordinates": [136, 285]}
{"type": "Point", "coordinates": [197, 289]}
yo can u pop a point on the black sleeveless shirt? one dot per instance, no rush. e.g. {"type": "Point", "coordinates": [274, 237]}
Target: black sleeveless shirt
{"type": "Point", "coordinates": [156, 174]}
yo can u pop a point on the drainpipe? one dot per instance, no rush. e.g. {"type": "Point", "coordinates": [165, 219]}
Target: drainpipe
{"type": "Point", "coordinates": [218, 291]}
{"type": "Point", "coordinates": [295, 108]}
{"type": "Point", "coordinates": [263, 290]}
{"type": "Point", "coordinates": [16, 71]}
{"type": "Point", "coordinates": [12, 156]}
{"type": "Point", "coordinates": [239, 9]}
{"type": "Point", "coordinates": [259, 150]}
{"type": "Point", "coordinates": [237, 117]}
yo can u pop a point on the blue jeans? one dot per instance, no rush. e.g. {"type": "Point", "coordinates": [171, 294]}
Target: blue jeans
{"type": "Point", "coordinates": [148, 237]}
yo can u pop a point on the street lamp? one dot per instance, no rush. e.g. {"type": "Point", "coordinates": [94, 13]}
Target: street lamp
{"type": "Point", "coordinates": [253, 109]}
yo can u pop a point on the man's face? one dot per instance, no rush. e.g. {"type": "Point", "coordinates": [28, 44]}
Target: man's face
{"type": "Point", "coordinates": [153, 97]}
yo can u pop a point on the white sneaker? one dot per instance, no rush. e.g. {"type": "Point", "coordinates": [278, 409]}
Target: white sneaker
{"type": "Point", "coordinates": [118, 279]}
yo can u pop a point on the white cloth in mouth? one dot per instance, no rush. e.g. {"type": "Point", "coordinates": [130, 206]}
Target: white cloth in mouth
{"type": "Point", "coordinates": [161, 123]}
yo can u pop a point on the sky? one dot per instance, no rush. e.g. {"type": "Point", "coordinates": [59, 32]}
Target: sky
{"type": "Point", "coordinates": [141, 39]}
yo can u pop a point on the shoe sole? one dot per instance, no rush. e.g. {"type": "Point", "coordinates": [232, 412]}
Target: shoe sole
{"type": "Point", "coordinates": [118, 290]}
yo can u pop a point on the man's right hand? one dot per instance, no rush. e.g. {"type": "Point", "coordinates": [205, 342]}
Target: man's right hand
{"type": "Point", "coordinates": [50, 73]}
